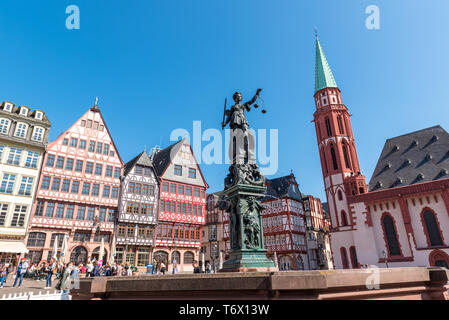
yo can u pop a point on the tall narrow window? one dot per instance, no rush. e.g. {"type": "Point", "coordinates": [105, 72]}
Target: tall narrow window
{"type": "Point", "coordinates": [340, 125]}
{"type": "Point", "coordinates": [345, 155]}
{"type": "Point", "coordinates": [344, 258]}
{"type": "Point", "coordinates": [390, 234]}
{"type": "Point", "coordinates": [354, 261]}
{"type": "Point", "coordinates": [344, 219]}
{"type": "Point", "coordinates": [325, 161]}
{"type": "Point", "coordinates": [328, 127]}
{"type": "Point", "coordinates": [334, 158]}
{"type": "Point", "coordinates": [432, 229]}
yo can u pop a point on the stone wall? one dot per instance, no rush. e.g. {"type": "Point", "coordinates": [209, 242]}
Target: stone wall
{"type": "Point", "coordinates": [393, 283]}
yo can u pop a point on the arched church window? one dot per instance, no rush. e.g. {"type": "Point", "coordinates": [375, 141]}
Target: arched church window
{"type": "Point", "coordinates": [344, 258]}
{"type": "Point", "coordinates": [340, 195]}
{"type": "Point", "coordinates": [334, 158]}
{"type": "Point", "coordinates": [432, 229]}
{"type": "Point", "coordinates": [391, 236]}
{"type": "Point", "coordinates": [345, 155]}
{"type": "Point", "coordinates": [340, 125]}
{"type": "Point", "coordinates": [344, 219]}
{"type": "Point", "coordinates": [328, 127]}
{"type": "Point", "coordinates": [354, 261]}
{"type": "Point", "coordinates": [325, 161]}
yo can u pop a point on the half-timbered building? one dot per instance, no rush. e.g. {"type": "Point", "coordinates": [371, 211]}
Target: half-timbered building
{"type": "Point", "coordinates": [215, 232]}
{"type": "Point", "coordinates": [317, 234]}
{"type": "Point", "coordinates": [23, 136]}
{"type": "Point", "coordinates": [78, 192]}
{"type": "Point", "coordinates": [283, 223]}
{"type": "Point", "coordinates": [138, 212]}
{"type": "Point", "coordinates": [182, 205]}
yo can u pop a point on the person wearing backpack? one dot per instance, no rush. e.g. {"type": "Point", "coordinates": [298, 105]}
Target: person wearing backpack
{"type": "Point", "coordinates": [21, 270]}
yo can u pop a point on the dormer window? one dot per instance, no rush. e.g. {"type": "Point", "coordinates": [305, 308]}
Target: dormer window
{"type": "Point", "coordinates": [23, 111]}
{"type": "Point", "coordinates": [21, 130]}
{"type": "Point", "coordinates": [38, 115]}
{"type": "Point", "coordinates": [4, 126]}
{"type": "Point", "coordinates": [38, 134]}
{"type": "Point", "coordinates": [8, 107]}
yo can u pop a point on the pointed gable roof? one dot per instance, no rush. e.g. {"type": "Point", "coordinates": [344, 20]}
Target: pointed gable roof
{"type": "Point", "coordinates": [141, 159]}
{"type": "Point", "coordinates": [282, 187]}
{"type": "Point", "coordinates": [416, 157]}
{"type": "Point", "coordinates": [323, 73]}
{"type": "Point", "coordinates": [162, 159]}
{"type": "Point", "coordinates": [77, 123]}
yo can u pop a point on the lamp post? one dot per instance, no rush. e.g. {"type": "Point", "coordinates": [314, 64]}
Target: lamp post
{"type": "Point", "coordinates": [385, 257]}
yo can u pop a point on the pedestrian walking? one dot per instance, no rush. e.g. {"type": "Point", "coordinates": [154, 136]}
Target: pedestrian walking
{"type": "Point", "coordinates": [90, 269]}
{"type": "Point", "coordinates": [163, 269]}
{"type": "Point", "coordinates": [175, 266]}
{"type": "Point", "coordinates": [66, 279]}
{"type": "Point", "coordinates": [3, 274]}
{"type": "Point", "coordinates": [50, 269]}
{"type": "Point", "coordinates": [21, 270]}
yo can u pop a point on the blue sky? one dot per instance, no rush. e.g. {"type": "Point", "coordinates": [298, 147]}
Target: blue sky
{"type": "Point", "coordinates": [160, 65]}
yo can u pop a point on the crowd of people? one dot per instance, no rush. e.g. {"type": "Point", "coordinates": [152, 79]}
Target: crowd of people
{"type": "Point", "coordinates": [65, 273]}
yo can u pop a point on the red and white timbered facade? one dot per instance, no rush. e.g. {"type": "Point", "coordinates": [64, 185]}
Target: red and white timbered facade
{"type": "Point", "coordinates": [283, 223]}
{"type": "Point", "coordinates": [78, 192]}
{"type": "Point", "coordinates": [182, 205]}
{"type": "Point", "coordinates": [137, 219]}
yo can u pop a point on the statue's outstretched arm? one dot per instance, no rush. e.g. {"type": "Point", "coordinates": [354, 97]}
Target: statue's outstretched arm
{"type": "Point", "coordinates": [253, 100]}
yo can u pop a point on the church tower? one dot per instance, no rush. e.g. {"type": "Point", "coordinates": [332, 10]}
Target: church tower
{"type": "Point", "coordinates": [336, 145]}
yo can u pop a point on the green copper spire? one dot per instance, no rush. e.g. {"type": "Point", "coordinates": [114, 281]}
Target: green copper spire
{"type": "Point", "coordinates": [323, 73]}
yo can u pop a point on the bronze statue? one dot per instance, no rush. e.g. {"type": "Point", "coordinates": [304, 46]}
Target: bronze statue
{"type": "Point", "coordinates": [236, 116]}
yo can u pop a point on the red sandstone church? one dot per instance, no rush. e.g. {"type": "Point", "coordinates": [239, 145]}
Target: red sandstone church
{"type": "Point", "coordinates": [402, 216]}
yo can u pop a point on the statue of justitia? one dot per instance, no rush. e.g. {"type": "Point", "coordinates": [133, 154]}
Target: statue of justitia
{"type": "Point", "coordinates": [242, 141]}
{"type": "Point", "coordinates": [236, 116]}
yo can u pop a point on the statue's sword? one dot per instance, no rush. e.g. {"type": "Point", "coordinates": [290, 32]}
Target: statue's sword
{"type": "Point", "coordinates": [224, 113]}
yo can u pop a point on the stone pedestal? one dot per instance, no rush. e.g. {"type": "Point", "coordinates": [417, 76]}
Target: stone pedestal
{"type": "Point", "coordinates": [247, 242]}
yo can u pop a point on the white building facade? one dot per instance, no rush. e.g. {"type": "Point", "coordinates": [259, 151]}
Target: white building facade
{"type": "Point", "coordinates": [23, 138]}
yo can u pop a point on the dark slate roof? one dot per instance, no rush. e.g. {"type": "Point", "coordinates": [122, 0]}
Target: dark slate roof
{"type": "Point", "coordinates": [161, 159]}
{"type": "Point", "coordinates": [282, 187]}
{"type": "Point", "coordinates": [325, 207]}
{"type": "Point", "coordinates": [141, 159]}
{"type": "Point", "coordinates": [416, 157]}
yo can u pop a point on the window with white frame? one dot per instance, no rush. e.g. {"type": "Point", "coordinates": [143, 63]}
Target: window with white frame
{"type": "Point", "coordinates": [23, 111]}
{"type": "Point", "coordinates": [7, 184]}
{"type": "Point", "coordinates": [3, 212]}
{"type": "Point", "coordinates": [38, 134]}
{"type": "Point", "coordinates": [1, 152]}
{"type": "Point", "coordinates": [8, 107]}
{"type": "Point", "coordinates": [4, 126]}
{"type": "Point", "coordinates": [38, 115]}
{"type": "Point", "coordinates": [25, 186]}
{"type": "Point", "coordinates": [31, 160]}
{"type": "Point", "coordinates": [21, 130]}
{"type": "Point", "coordinates": [18, 219]}
{"type": "Point", "coordinates": [14, 156]}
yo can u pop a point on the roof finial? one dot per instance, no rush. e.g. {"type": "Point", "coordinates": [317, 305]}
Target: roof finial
{"type": "Point", "coordinates": [96, 101]}
{"type": "Point", "coordinates": [316, 32]}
